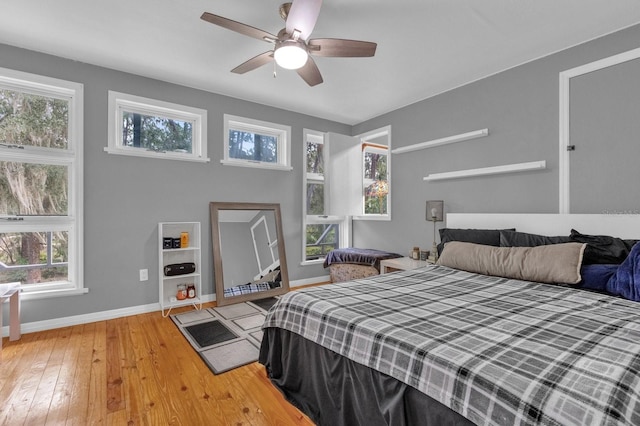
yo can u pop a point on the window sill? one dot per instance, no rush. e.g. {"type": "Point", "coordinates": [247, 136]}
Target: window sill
{"type": "Point", "coordinates": [312, 262]}
{"type": "Point", "coordinates": [135, 152]}
{"type": "Point", "coordinates": [256, 165]}
{"type": "Point", "coordinates": [46, 294]}
{"type": "Point", "coordinates": [385, 217]}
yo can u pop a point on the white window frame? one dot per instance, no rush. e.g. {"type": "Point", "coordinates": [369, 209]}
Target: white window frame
{"type": "Point", "coordinates": [281, 132]}
{"type": "Point", "coordinates": [72, 157]}
{"type": "Point", "coordinates": [119, 103]}
{"type": "Point", "coordinates": [344, 222]}
{"type": "Point", "coordinates": [365, 138]}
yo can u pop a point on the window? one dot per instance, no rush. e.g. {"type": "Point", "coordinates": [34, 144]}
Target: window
{"type": "Point", "coordinates": [41, 183]}
{"type": "Point", "coordinates": [376, 187]}
{"type": "Point", "coordinates": [374, 179]}
{"type": "Point", "coordinates": [253, 143]}
{"type": "Point", "coordinates": [150, 128]}
{"type": "Point", "coordinates": [321, 232]}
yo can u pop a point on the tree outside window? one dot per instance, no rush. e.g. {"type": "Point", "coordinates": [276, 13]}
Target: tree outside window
{"type": "Point", "coordinates": [375, 180]}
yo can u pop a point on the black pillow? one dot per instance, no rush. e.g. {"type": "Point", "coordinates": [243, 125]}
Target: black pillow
{"type": "Point", "coordinates": [522, 239]}
{"type": "Point", "coordinates": [603, 249]}
{"type": "Point", "coordinates": [487, 237]}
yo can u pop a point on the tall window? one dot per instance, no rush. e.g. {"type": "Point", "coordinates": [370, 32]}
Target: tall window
{"type": "Point", "coordinates": [40, 182]}
{"type": "Point", "coordinates": [146, 127]}
{"type": "Point", "coordinates": [376, 185]}
{"type": "Point", "coordinates": [375, 180]}
{"type": "Point", "coordinates": [254, 143]}
{"type": "Point", "coordinates": [322, 232]}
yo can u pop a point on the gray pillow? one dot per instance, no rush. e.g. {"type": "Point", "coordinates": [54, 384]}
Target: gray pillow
{"type": "Point", "coordinates": [554, 264]}
{"type": "Point", "coordinates": [523, 239]}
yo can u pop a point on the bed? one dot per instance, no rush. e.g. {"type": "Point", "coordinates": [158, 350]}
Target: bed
{"type": "Point", "coordinates": [351, 263]}
{"type": "Point", "coordinates": [441, 345]}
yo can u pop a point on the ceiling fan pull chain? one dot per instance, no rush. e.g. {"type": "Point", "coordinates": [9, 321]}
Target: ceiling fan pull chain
{"type": "Point", "coordinates": [274, 69]}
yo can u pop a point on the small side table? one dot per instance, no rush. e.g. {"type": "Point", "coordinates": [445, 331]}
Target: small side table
{"type": "Point", "coordinates": [402, 264]}
{"type": "Point", "coordinates": [11, 291]}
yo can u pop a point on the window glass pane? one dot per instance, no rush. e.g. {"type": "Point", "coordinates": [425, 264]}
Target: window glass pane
{"type": "Point", "coordinates": [374, 204]}
{"type": "Point", "coordinates": [34, 257]}
{"type": "Point", "coordinates": [321, 239]}
{"type": "Point", "coordinates": [376, 186]}
{"type": "Point", "coordinates": [33, 189]}
{"type": "Point", "coordinates": [375, 166]}
{"type": "Point", "coordinates": [156, 133]}
{"type": "Point", "coordinates": [253, 146]}
{"type": "Point", "coordinates": [33, 120]}
{"type": "Point", "coordinates": [315, 158]}
{"type": "Point", "coordinates": [315, 198]}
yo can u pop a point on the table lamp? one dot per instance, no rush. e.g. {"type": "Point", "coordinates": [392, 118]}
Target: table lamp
{"type": "Point", "coordinates": [435, 213]}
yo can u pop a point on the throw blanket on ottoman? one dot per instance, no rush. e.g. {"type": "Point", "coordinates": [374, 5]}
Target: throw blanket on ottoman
{"type": "Point", "coordinates": [353, 263]}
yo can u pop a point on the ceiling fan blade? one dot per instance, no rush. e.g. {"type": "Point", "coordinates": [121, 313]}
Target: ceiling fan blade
{"type": "Point", "coordinates": [310, 73]}
{"type": "Point", "coordinates": [303, 16]}
{"type": "Point", "coordinates": [238, 27]}
{"type": "Point", "coordinates": [340, 48]}
{"type": "Point", "coordinates": [253, 63]}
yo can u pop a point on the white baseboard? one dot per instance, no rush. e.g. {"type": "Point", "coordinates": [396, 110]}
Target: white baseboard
{"type": "Point", "coordinates": [307, 281]}
{"type": "Point", "coordinates": [31, 327]}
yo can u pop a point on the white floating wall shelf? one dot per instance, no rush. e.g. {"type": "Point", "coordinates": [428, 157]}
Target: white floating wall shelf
{"type": "Point", "coordinates": [495, 170]}
{"type": "Point", "coordinates": [442, 141]}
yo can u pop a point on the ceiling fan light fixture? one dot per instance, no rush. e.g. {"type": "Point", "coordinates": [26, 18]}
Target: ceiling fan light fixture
{"type": "Point", "coordinates": [291, 55]}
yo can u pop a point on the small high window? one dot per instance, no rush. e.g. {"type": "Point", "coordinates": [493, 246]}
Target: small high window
{"type": "Point", "coordinates": [254, 143]}
{"type": "Point", "coordinates": [151, 128]}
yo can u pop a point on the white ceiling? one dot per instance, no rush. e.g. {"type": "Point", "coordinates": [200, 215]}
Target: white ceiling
{"type": "Point", "coordinates": [425, 47]}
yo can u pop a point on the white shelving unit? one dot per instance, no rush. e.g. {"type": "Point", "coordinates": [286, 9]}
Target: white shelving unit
{"type": "Point", "coordinates": [168, 285]}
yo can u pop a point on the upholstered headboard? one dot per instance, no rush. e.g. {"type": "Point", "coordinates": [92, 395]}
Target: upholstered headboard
{"type": "Point", "coordinates": [617, 225]}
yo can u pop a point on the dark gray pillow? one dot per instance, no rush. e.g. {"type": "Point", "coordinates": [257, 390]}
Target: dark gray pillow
{"type": "Point", "coordinates": [523, 239]}
{"type": "Point", "coordinates": [603, 249]}
{"type": "Point", "coordinates": [487, 237]}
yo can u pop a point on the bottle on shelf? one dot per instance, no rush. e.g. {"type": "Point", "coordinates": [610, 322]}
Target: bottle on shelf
{"type": "Point", "coordinates": [191, 291]}
{"type": "Point", "coordinates": [182, 292]}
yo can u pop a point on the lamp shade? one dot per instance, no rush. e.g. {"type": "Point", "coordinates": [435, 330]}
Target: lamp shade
{"type": "Point", "coordinates": [435, 210]}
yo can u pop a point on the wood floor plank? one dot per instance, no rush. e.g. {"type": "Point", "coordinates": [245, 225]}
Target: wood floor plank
{"type": "Point", "coordinates": [97, 407]}
{"type": "Point", "coordinates": [79, 400]}
{"type": "Point", "coordinates": [115, 391]}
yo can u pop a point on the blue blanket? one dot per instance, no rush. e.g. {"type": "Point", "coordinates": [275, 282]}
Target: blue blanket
{"type": "Point", "coordinates": [619, 280]}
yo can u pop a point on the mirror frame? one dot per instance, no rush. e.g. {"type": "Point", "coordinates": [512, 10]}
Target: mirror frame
{"type": "Point", "coordinates": [214, 209]}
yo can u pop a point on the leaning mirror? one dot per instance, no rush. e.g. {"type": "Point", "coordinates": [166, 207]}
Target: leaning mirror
{"type": "Point", "coordinates": [248, 251]}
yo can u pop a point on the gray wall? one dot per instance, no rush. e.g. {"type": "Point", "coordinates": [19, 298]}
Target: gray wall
{"type": "Point", "coordinates": [520, 107]}
{"type": "Point", "coordinates": [126, 197]}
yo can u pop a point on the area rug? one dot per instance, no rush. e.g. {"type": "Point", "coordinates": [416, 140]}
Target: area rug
{"type": "Point", "coordinates": [226, 337]}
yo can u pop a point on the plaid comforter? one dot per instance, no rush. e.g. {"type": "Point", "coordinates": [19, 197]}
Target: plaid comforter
{"type": "Point", "coordinates": [495, 350]}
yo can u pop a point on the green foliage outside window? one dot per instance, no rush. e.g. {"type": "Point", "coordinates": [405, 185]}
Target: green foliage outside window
{"type": "Point", "coordinates": [375, 168]}
{"type": "Point", "coordinates": [253, 146]}
{"type": "Point", "coordinates": [156, 133]}
{"type": "Point", "coordinates": [321, 239]}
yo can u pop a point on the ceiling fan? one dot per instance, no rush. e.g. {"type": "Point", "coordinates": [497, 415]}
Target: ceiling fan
{"type": "Point", "coordinates": [292, 47]}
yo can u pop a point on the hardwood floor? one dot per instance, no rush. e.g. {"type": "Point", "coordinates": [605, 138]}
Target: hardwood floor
{"type": "Point", "coordinates": [136, 370]}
